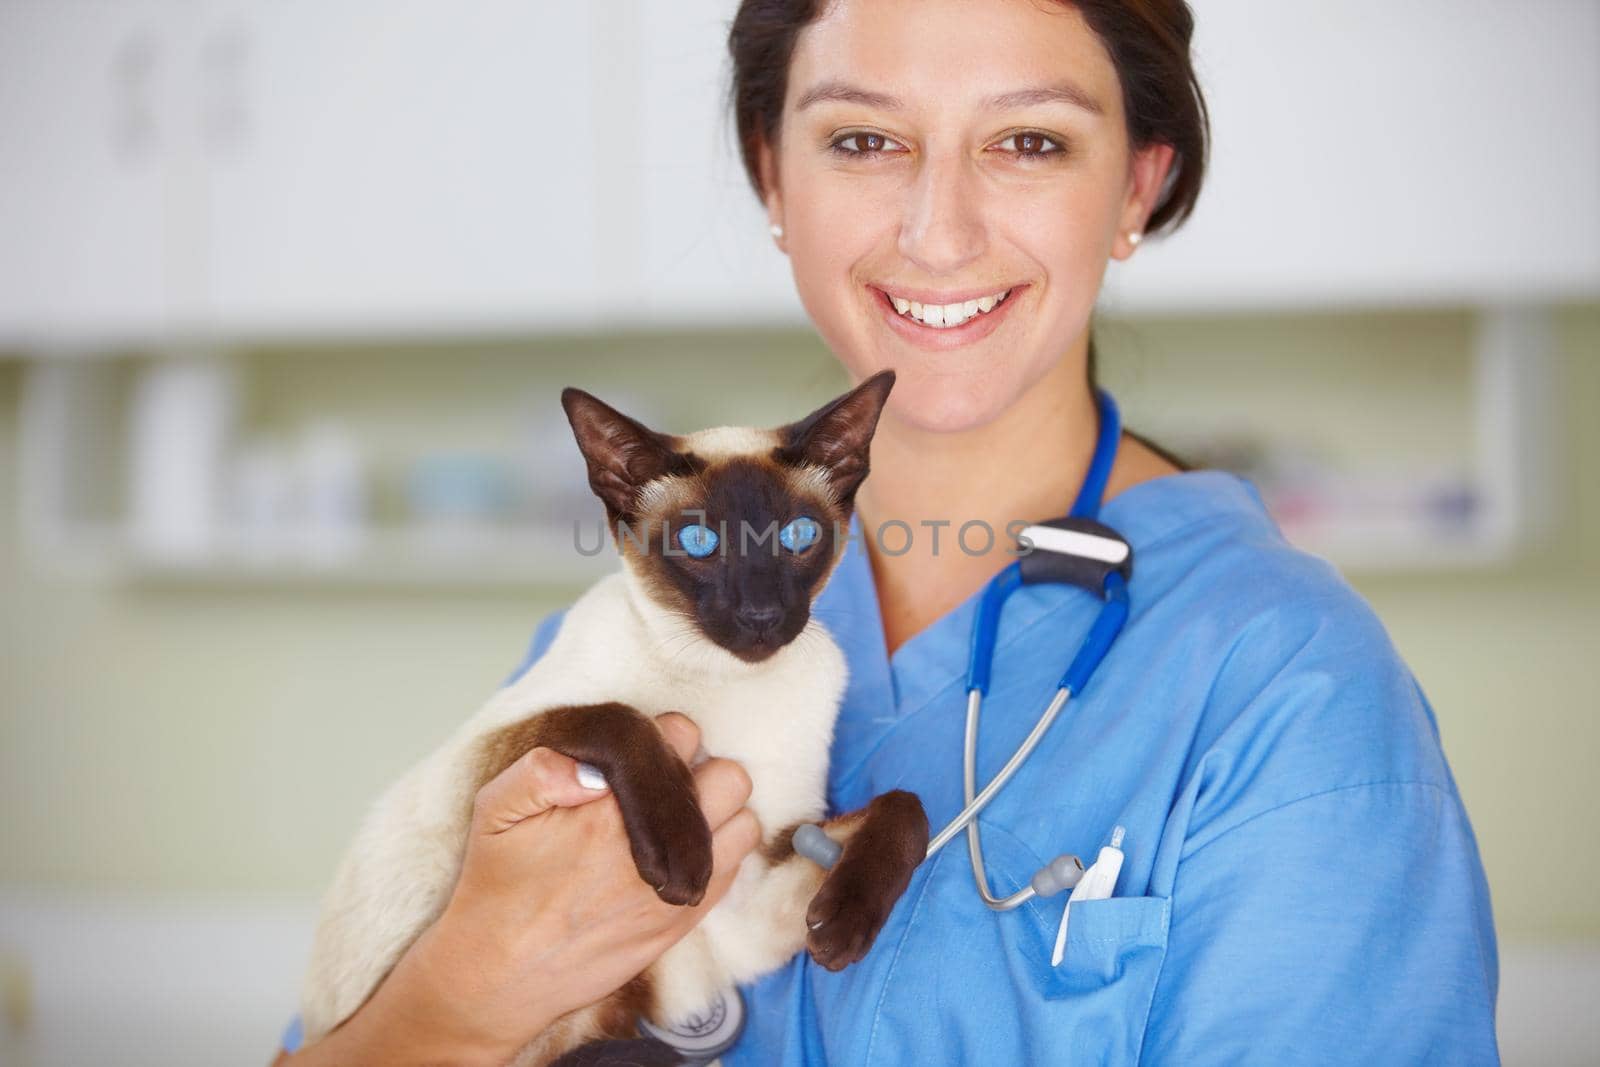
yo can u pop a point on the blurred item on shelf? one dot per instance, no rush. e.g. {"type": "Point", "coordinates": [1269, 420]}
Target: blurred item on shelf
{"type": "Point", "coordinates": [304, 501]}
{"type": "Point", "coordinates": [457, 498]}
{"type": "Point", "coordinates": [184, 412]}
{"type": "Point", "coordinates": [1326, 508]}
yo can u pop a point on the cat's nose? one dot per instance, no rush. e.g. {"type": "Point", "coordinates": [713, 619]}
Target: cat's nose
{"type": "Point", "coordinates": [760, 618]}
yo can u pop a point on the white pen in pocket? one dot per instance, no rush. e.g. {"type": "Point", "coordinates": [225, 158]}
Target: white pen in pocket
{"type": "Point", "coordinates": [1096, 884]}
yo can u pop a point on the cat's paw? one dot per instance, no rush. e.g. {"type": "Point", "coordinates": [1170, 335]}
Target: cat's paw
{"type": "Point", "coordinates": [844, 919]}
{"type": "Point", "coordinates": [673, 855]}
{"type": "Point", "coordinates": [855, 899]}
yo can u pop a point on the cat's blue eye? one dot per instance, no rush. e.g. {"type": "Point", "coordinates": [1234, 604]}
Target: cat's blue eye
{"type": "Point", "coordinates": [697, 540]}
{"type": "Point", "coordinates": [800, 534]}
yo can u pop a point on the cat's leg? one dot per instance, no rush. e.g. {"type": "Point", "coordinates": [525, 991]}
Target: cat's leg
{"type": "Point", "coordinates": [881, 851]}
{"type": "Point", "coordinates": [398, 875]}
{"type": "Point", "coordinates": [667, 833]}
{"type": "Point", "coordinates": [835, 914]}
{"type": "Point", "coordinates": [392, 882]}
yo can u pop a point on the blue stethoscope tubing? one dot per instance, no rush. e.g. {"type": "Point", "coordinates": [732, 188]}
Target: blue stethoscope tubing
{"type": "Point", "coordinates": [1088, 565]}
{"type": "Point", "coordinates": [1062, 872]}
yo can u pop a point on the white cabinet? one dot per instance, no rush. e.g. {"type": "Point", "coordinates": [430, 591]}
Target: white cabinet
{"type": "Point", "coordinates": [698, 235]}
{"type": "Point", "coordinates": [89, 174]}
{"type": "Point", "coordinates": [1370, 152]}
{"type": "Point", "coordinates": [423, 165]}
{"type": "Point", "coordinates": [241, 169]}
{"type": "Point", "coordinates": [357, 167]}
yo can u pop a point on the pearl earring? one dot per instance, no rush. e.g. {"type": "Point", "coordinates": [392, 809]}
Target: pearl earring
{"type": "Point", "coordinates": [777, 231]}
{"type": "Point", "coordinates": [1134, 237]}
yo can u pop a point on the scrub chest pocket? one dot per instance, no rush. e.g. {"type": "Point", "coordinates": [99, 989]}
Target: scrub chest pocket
{"type": "Point", "coordinates": [968, 985]}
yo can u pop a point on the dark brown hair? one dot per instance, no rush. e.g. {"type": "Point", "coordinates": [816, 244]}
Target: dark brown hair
{"type": "Point", "coordinates": [1148, 41]}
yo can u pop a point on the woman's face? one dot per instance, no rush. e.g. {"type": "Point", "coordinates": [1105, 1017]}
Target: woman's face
{"type": "Point", "coordinates": [946, 152]}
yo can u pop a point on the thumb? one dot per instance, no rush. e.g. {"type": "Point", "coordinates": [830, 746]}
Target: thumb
{"type": "Point", "coordinates": [539, 780]}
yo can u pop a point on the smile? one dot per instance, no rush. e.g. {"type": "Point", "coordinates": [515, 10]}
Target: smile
{"type": "Point", "coordinates": [946, 316]}
{"type": "Point", "coordinates": [946, 323]}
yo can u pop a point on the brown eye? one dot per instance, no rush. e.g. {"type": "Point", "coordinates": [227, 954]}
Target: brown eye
{"type": "Point", "coordinates": [865, 143]}
{"type": "Point", "coordinates": [1030, 145]}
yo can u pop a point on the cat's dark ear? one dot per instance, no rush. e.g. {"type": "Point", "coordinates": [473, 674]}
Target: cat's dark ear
{"type": "Point", "coordinates": [836, 436]}
{"type": "Point", "coordinates": [622, 453]}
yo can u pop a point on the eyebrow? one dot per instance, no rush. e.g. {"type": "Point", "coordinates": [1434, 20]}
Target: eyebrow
{"type": "Point", "coordinates": [850, 94]}
{"type": "Point", "coordinates": [1060, 93]}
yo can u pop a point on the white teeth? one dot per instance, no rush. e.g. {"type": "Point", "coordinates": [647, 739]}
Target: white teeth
{"type": "Point", "coordinates": [944, 316]}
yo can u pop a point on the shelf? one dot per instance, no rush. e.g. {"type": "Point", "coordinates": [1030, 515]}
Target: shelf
{"type": "Point", "coordinates": [98, 493]}
{"type": "Point", "coordinates": [529, 557]}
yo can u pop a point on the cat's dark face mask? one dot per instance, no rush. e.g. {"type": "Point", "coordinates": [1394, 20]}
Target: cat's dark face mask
{"type": "Point", "coordinates": [734, 529]}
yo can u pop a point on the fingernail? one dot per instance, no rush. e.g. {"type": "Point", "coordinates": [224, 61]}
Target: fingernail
{"type": "Point", "coordinates": [589, 776]}
{"type": "Point", "coordinates": [699, 757]}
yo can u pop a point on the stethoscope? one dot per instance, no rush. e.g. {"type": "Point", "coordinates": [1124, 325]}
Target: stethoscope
{"type": "Point", "coordinates": [1078, 550]}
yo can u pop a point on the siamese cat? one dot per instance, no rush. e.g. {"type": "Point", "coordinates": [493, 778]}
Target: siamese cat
{"type": "Point", "coordinates": [726, 537]}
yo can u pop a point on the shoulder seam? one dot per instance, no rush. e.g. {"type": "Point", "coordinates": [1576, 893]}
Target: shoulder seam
{"type": "Point", "coordinates": [1215, 519]}
{"type": "Point", "coordinates": [1438, 787]}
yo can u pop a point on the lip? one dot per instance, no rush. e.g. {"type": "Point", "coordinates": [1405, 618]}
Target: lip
{"type": "Point", "coordinates": [951, 296]}
{"type": "Point", "coordinates": [973, 330]}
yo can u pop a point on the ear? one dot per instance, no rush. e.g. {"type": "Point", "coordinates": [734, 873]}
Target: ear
{"type": "Point", "coordinates": [1147, 177]}
{"type": "Point", "coordinates": [837, 436]}
{"type": "Point", "coordinates": [771, 194]}
{"type": "Point", "coordinates": [622, 454]}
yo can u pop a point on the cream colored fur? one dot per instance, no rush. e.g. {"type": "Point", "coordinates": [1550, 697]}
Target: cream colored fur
{"type": "Point", "coordinates": [615, 644]}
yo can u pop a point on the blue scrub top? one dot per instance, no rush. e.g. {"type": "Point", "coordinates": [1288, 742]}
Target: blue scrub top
{"type": "Point", "coordinates": [1301, 883]}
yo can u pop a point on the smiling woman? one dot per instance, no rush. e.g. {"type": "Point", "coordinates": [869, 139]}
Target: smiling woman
{"type": "Point", "coordinates": [1299, 882]}
{"type": "Point", "coordinates": [949, 180]}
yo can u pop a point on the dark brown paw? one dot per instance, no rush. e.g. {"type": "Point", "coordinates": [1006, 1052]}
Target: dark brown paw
{"type": "Point", "coordinates": [855, 899]}
{"type": "Point", "coordinates": [671, 846]}
{"type": "Point", "coordinates": [653, 788]}
{"type": "Point", "coordinates": [843, 920]}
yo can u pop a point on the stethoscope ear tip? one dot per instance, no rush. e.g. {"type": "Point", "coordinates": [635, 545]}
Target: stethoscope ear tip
{"type": "Point", "coordinates": [1062, 873]}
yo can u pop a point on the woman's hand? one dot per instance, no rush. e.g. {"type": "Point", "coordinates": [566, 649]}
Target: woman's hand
{"type": "Point", "coordinates": [549, 914]}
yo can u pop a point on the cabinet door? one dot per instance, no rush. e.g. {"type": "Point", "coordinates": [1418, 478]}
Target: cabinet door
{"type": "Point", "coordinates": [703, 251]}
{"type": "Point", "coordinates": [384, 165]}
{"type": "Point", "coordinates": [87, 146]}
{"type": "Point", "coordinates": [1377, 152]}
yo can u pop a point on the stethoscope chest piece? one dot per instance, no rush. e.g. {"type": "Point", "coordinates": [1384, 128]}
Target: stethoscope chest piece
{"type": "Point", "coordinates": [706, 1036]}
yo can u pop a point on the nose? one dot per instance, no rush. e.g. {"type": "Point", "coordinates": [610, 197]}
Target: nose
{"type": "Point", "coordinates": [760, 618]}
{"type": "Point", "coordinates": [942, 230]}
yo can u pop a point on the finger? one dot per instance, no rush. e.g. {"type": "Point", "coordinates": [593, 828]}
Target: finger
{"type": "Point", "coordinates": [681, 733]}
{"type": "Point", "coordinates": [735, 839]}
{"type": "Point", "coordinates": [724, 787]}
{"type": "Point", "coordinates": [539, 780]}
